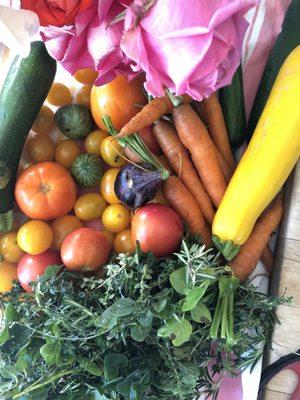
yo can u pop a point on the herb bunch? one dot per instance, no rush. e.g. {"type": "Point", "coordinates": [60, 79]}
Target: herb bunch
{"type": "Point", "coordinates": [144, 332]}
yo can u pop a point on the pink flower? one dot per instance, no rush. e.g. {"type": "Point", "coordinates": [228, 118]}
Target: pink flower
{"type": "Point", "coordinates": [188, 46]}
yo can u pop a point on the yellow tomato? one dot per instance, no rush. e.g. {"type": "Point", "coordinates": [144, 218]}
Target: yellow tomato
{"type": "Point", "coordinates": [35, 237]}
{"type": "Point", "coordinates": [44, 122]}
{"type": "Point", "coordinates": [61, 227]}
{"type": "Point", "coordinates": [8, 273]}
{"type": "Point", "coordinates": [123, 242]}
{"type": "Point", "coordinates": [59, 95]}
{"type": "Point", "coordinates": [111, 152]}
{"type": "Point", "coordinates": [83, 96]}
{"type": "Point", "coordinates": [107, 186]}
{"type": "Point", "coordinates": [86, 76]}
{"type": "Point", "coordinates": [66, 153]}
{"type": "Point", "coordinates": [89, 206]}
{"type": "Point", "coordinates": [115, 218]}
{"type": "Point", "coordinates": [110, 237]}
{"type": "Point", "coordinates": [40, 148]}
{"type": "Point", "coordinates": [94, 140]}
{"type": "Point", "coordinates": [9, 249]}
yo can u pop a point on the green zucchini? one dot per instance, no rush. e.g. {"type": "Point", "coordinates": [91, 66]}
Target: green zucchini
{"type": "Point", "coordinates": [287, 40]}
{"type": "Point", "coordinates": [23, 93]}
{"type": "Point", "coordinates": [233, 105]}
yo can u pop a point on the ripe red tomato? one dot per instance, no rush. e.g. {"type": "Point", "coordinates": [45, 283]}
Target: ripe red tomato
{"type": "Point", "coordinates": [85, 250]}
{"type": "Point", "coordinates": [30, 267]}
{"type": "Point", "coordinates": [45, 191]}
{"type": "Point", "coordinates": [158, 229]}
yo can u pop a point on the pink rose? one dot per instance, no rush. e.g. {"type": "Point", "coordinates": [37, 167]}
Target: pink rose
{"type": "Point", "coordinates": [188, 46]}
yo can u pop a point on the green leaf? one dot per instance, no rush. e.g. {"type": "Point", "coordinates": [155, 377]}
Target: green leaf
{"type": "Point", "coordinates": [146, 318]}
{"type": "Point", "coordinates": [227, 285]}
{"type": "Point", "coordinates": [178, 280]}
{"type": "Point", "coordinates": [139, 332]}
{"type": "Point", "coordinates": [107, 320]}
{"type": "Point", "coordinates": [122, 307]}
{"type": "Point", "coordinates": [194, 295]}
{"type": "Point", "coordinates": [21, 364]}
{"type": "Point", "coordinates": [4, 335]}
{"type": "Point", "coordinates": [112, 364]}
{"type": "Point", "coordinates": [91, 367]}
{"type": "Point", "coordinates": [51, 352]}
{"type": "Point", "coordinates": [124, 388]}
{"type": "Point", "coordinates": [201, 314]}
{"type": "Point", "coordinates": [159, 304]}
{"type": "Point", "coordinates": [10, 314]}
{"type": "Point", "coordinates": [6, 221]}
{"type": "Point", "coordinates": [178, 331]}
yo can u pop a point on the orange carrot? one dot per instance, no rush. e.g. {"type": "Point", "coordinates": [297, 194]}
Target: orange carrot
{"type": "Point", "coordinates": [183, 202]}
{"type": "Point", "coordinates": [149, 114]}
{"type": "Point", "coordinates": [267, 259]}
{"type": "Point", "coordinates": [225, 168]}
{"type": "Point", "coordinates": [244, 263]}
{"type": "Point", "coordinates": [217, 128]}
{"type": "Point", "coordinates": [178, 157]}
{"type": "Point", "coordinates": [196, 139]}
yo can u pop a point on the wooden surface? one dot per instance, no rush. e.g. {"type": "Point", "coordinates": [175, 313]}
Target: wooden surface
{"type": "Point", "coordinates": [286, 276]}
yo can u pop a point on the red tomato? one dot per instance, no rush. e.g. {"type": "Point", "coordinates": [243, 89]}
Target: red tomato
{"type": "Point", "coordinates": [45, 191]}
{"type": "Point", "coordinates": [158, 229]}
{"type": "Point", "coordinates": [30, 267]}
{"type": "Point", "coordinates": [85, 250]}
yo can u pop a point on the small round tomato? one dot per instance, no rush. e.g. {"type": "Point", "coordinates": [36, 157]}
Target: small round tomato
{"type": "Point", "coordinates": [123, 242]}
{"type": "Point", "coordinates": [61, 227]}
{"type": "Point", "coordinates": [66, 153]}
{"type": "Point", "coordinates": [8, 274]}
{"type": "Point", "coordinates": [44, 122]}
{"type": "Point", "coordinates": [94, 140]}
{"type": "Point", "coordinates": [107, 186]}
{"type": "Point", "coordinates": [85, 250]}
{"type": "Point", "coordinates": [120, 99]}
{"type": "Point", "coordinates": [83, 96]}
{"type": "Point", "coordinates": [86, 76]}
{"type": "Point", "coordinates": [45, 191]}
{"type": "Point", "coordinates": [110, 237]}
{"type": "Point", "coordinates": [9, 249]}
{"type": "Point", "coordinates": [35, 237]}
{"type": "Point", "coordinates": [111, 152]}
{"type": "Point", "coordinates": [158, 229]}
{"type": "Point", "coordinates": [30, 267]}
{"type": "Point", "coordinates": [115, 218]}
{"type": "Point", "coordinates": [59, 95]}
{"type": "Point", "coordinates": [89, 206]}
{"type": "Point", "coordinates": [40, 148]}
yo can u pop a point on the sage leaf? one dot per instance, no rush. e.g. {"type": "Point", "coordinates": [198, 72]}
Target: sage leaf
{"type": "Point", "coordinates": [178, 331]}
{"type": "Point", "coordinates": [201, 314]}
{"type": "Point", "coordinates": [122, 307]}
{"type": "Point", "coordinates": [112, 364]}
{"type": "Point", "coordinates": [145, 319]}
{"type": "Point", "coordinates": [139, 332]}
{"type": "Point", "coordinates": [178, 280]}
{"type": "Point", "coordinates": [194, 295]}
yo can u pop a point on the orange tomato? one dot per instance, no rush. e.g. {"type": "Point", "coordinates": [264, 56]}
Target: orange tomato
{"type": "Point", "coordinates": [111, 152]}
{"type": "Point", "coordinates": [110, 237]}
{"type": "Point", "coordinates": [61, 227]}
{"type": "Point", "coordinates": [94, 140]}
{"type": "Point", "coordinates": [83, 96]}
{"type": "Point", "coordinates": [35, 237]}
{"type": "Point", "coordinates": [59, 95]}
{"type": "Point", "coordinates": [118, 99]}
{"type": "Point", "coordinates": [86, 76]}
{"type": "Point", "coordinates": [40, 148]}
{"type": "Point", "coordinates": [8, 273]}
{"type": "Point", "coordinates": [107, 184]}
{"type": "Point", "coordinates": [123, 242]}
{"type": "Point", "coordinates": [9, 249]}
{"type": "Point", "coordinates": [66, 153]}
{"type": "Point", "coordinates": [45, 191]}
{"type": "Point", "coordinates": [115, 218]}
{"type": "Point", "coordinates": [44, 122]}
{"type": "Point", "coordinates": [89, 206]}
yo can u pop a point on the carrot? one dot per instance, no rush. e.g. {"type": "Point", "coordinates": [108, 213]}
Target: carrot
{"type": "Point", "coordinates": [149, 114]}
{"type": "Point", "coordinates": [251, 251]}
{"type": "Point", "coordinates": [267, 259]}
{"type": "Point", "coordinates": [225, 168]}
{"type": "Point", "coordinates": [178, 157]}
{"type": "Point", "coordinates": [181, 199]}
{"type": "Point", "coordinates": [217, 128]}
{"type": "Point", "coordinates": [196, 139]}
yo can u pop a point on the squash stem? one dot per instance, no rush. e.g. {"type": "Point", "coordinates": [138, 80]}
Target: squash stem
{"type": "Point", "coordinates": [226, 247]}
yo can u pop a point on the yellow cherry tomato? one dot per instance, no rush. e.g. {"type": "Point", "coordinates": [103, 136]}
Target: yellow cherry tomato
{"type": "Point", "coordinates": [59, 95]}
{"type": "Point", "coordinates": [9, 249]}
{"type": "Point", "coordinates": [86, 76]}
{"type": "Point", "coordinates": [35, 237]}
{"type": "Point", "coordinates": [123, 242]}
{"type": "Point", "coordinates": [40, 148]}
{"type": "Point", "coordinates": [83, 96]}
{"type": "Point", "coordinates": [44, 122]}
{"type": "Point", "coordinates": [115, 218]}
{"type": "Point", "coordinates": [107, 186]}
{"type": "Point", "coordinates": [111, 152]}
{"type": "Point", "coordinates": [8, 273]}
{"type": "Point", "coordinates": [89, 206]}
{"type": "Point", "coordinates": [110, 237]}
{"type": "Point", "coordinates": [61, 227]}
{"type": "Point", "coordinates": [66, 153]}
{"type": "Point", "coordinates": [94, 140]}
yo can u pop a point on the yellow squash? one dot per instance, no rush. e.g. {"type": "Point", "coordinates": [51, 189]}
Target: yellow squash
{"type": "Point", "coordinates": [270, 157]}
